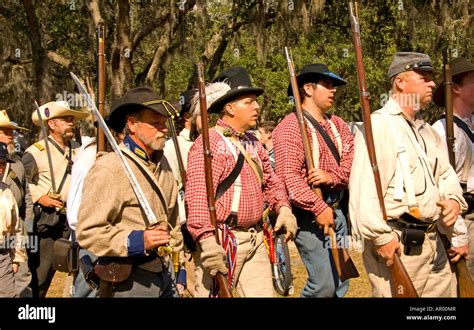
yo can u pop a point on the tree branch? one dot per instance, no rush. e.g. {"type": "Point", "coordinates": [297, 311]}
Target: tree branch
{"type": "Point", "coordinates": [59, 59]}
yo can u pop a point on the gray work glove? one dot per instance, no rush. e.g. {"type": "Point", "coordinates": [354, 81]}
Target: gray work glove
{"type": "Point", "coordinates": [213, 256]}
{"type": "Point", "coordinates": [287, 220]}
{"type": "Point", "coordinates": [176, 239]}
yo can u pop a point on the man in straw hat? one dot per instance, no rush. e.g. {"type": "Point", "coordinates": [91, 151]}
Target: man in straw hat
{"type": "Point", "coordinates": [111, 222]}
{"type": "Point", "coordinates": [50, 202]}
{"type": "Point", "coordinates": [333, 156]}
{"type": "Point", "coordinates": [421, 190]}
{"type": "Point", "coordinates": [14, 177]}
{"type": "Point", "coordinates": [463, 109]}
{"type": "Point", "coordinates": [239, 208]}
{"type": "Point", "coordinates": [12, 250]}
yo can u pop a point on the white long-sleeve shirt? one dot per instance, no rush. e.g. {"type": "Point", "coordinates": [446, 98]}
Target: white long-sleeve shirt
{"type": "Point", "coordinates": [365, 214]}
{"type": "Point", "coordinates": [85, 158]}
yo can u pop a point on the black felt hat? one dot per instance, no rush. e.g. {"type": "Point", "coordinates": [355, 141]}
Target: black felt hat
{"type": "Point", "coordinates": [135, 100]}
{"type": "Point", "coordinates": [185, 99]}
{"type": "Point", "coordinates": [239, 81]}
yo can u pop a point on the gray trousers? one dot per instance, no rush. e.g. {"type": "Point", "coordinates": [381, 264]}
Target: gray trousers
{"type": "Point", "coordinates": [145, 284]}
{"type": "Point", "coordinates": [22, 281]}
{"type": "Point", "coordinates": [7, 277]}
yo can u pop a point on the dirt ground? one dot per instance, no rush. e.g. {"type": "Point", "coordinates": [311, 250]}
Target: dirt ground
{"type": "Point", "coordinates": [358, 287]}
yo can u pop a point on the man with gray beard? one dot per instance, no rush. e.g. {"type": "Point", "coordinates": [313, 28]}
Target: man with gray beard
{"type": "Point", "coordinates": [111, 223]}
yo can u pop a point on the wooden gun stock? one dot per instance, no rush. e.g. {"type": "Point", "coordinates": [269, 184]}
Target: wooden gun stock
{"type": "Point", "coordinates": [401, 283]}
{"type": "Point", "coordinates": [224, 291]}
{"type": "Point", "coordinates": [342, 260]}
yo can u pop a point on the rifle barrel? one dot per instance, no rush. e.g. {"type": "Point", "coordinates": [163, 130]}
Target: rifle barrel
{"type": "Point", "coordinates": [224, 291]}
{"type": "Point", "coordinates": [101, 82]}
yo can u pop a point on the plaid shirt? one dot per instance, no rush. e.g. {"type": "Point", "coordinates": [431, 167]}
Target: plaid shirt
{"type": "Point", "coordinates": [291, 164]}
{"type": "Point", "coordinates": [252, 197]}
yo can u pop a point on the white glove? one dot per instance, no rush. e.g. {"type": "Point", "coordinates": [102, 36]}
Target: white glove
{"type": "Point", "coordinates": [287, 220]}
{"type": "Point", "coordinates": [213, 256]}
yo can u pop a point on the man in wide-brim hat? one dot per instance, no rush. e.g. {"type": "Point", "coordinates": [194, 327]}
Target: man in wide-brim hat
{"type": "Point", "coordinates": [111, 221]}
{"type": "Point", "coordinates": [317, 86]}
{"type": "Point", "coordinates": [463, 108]}
{"type": "Point", "coordinates": [14, 176]}
{"type": "Point", "coordinates": [239, 207]}
{"type": "Point", "coordinates": [49, 202]}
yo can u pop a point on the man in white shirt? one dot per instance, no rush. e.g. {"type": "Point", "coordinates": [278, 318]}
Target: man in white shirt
{"type": "Point", "coordinates": [463, 108]}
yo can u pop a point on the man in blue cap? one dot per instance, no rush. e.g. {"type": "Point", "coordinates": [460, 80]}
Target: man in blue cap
{"type": "Point", "coordinates": [332, 154]}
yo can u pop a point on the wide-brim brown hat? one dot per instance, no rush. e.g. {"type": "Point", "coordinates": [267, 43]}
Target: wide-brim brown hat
{"type": "Point", "coordinates": [314, 73]}
{"type": "Point", "coordinates": [6, 122]}
{"type": "Point", "coordinates": [240, 84]}
{"type": "Point", "coordinates": [137, 99]}
{"type": "Point", "coordinates": [56, 109]}
{"type": "Point", "coordinates": [458, 65]}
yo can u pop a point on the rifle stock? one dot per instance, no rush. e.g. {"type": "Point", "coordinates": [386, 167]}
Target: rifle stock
{"type": "Point", "coordinates": [224, 291]}
{"type": "Point", "coordinates": [342, 260]}
{"type": "Point", "coordinates": [401, 284]}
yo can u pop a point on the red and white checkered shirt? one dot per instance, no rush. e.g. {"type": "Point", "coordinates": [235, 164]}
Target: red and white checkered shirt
{"type": "Point", "coordinates": [291, 164]}
{"type": "Point", "coordinates": [252, 196]}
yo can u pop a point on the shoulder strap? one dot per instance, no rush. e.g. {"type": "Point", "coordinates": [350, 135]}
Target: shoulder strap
{"type": "Point", "coordinates": [462, 125]}
{"type": "Point", "coordinates": [325, 136]}
{"type": "Point", "coordinates": [229, 181]}
{"type": "Point", "coordinates": [68, 168]}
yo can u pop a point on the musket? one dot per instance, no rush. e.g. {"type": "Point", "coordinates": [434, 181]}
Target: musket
{"type": "Point", "coordinates": [465, 285]}
{"type": "Point", "coordinates": [101, 82]}
{"type": "Point", "coordinates": [224, 291]}
{"type": "Point", "coordinates": [48, 151]}
{"type": "Point", "coordinates": [342, 260]}
{"type": "Point", "coordinates": [150, 216]}
{"type": "Point", "coordinates": [401, 284]}
{"type": "Point", "coordinates": [448, 104]}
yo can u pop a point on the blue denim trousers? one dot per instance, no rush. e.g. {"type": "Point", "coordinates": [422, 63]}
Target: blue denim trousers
{"type": "Point", "coordinates": [314, 249]}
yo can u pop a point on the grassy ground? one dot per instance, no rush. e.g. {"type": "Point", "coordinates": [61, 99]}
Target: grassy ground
{"type": "Point", "coordinates": [359, 287]}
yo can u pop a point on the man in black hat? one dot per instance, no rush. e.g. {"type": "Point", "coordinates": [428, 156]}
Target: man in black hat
{"type": "Point", "coordinates": [240, 205]}
{"type": "Point", "coordinates": [421, 190]}
{"type": "Point", "coordinates": [317, 86]}
{"type": "Point", "coordinates": [463, 109]}
{"type": "Point", "coordinates": [111, 220]}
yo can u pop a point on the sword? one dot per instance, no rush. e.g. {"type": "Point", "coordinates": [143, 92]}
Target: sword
{"type": "Point", "coordinates": [150, 216]}
{"type": "Point", "coordinates": [48, 152]}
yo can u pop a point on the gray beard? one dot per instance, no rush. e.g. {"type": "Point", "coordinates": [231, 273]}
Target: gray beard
{"type": "Point", "coordinates": [156, 143]}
